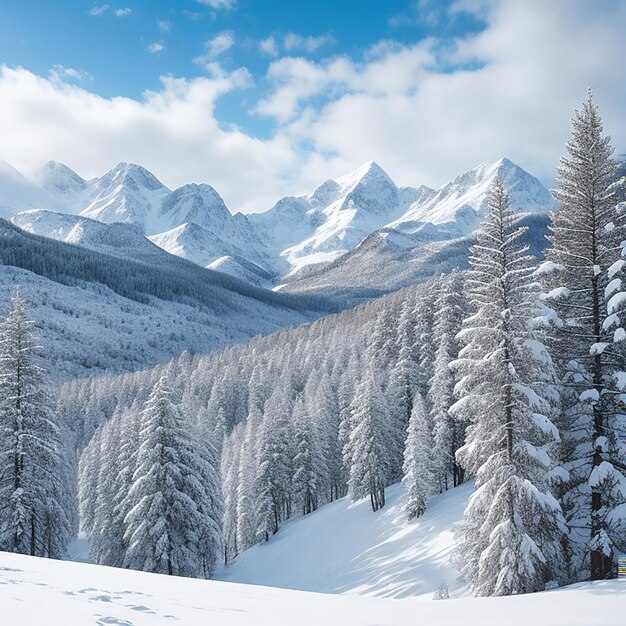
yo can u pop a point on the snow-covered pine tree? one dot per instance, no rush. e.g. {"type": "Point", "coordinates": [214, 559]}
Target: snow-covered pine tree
{"type": "Point", "coordinates": [418, 476]}
{"type": "Point", "coordinates": [448, 433]}
{"type": "Point", "coordinates": [173, 524]}
{"type": "Point", "coordinates": [229, 471]}
{"type": "Point", "coordinates": [106, 538]}
{"type": "Point", "coordinates": [307, 463]}
{"type": "Point", "coordinates": [323, 407]}
{"type": "Point", "coordinates": [586, 233]}
{"type": "Point", "coordinates": [367, 444]}
{"type": "Point", "coordinates": [272, 485]}
{"type": "Point", "coordinates": [402, 387]}
{"type": "Point", "coordinates": [512, 527]}
{"type": "Point", "coordinates": [35, 503]}
{"type": "Point", "coordinates": [246, 479]}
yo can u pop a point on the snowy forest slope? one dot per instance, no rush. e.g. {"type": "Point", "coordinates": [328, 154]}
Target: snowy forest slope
{"type": "Point", "coordinates": [95, 311]}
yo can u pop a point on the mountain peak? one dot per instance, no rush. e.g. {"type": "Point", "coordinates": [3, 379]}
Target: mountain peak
{"type": "Point", "coordinates": [370, 170]}
{"type": "Point", "coordinates": [124, 172]}
{"type": "Point", "coordinates": [60, 179]}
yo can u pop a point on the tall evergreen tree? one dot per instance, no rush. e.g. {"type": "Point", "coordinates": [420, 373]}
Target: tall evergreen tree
{"type": "Point", "coordinates": [307, 464]}
{"type": "Point", "coordinates": [586, 233]}
{"type": "Point", "coordinates": [402, 388]}
{"type": "Point", "coordinates": [173, 524]}
{"type": "Point", "coordinates": [367, 445]}
{"type": "Point", "coordinates": [512, 527]}
{"type": "Point", "coordinates": [448, 434]}
{"type": "Point", "coordinates": [419, 478]}
{"type": "Point", "coordinates": [35, 502]}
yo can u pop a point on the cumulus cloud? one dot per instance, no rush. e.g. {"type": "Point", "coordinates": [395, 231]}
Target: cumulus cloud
{"type": "Point", "coordinates": [122, 12]}
{"type": "Point", "coordinates": [219, 4]}
{"type": "Point", "coordinates": [306, 43]}
{"type": "Point", "coordinates": [164, 26]}
{"type": "Point", "coordinates": [173, 132]}
{"type": "Point", "coordinates": [216, 46]}
{"type": "Point", "coordinates": [433, 109]}
{"type": "Point", "coordinates": [155, 47]}
{"type": "Point", "coordinates": [269, 46]}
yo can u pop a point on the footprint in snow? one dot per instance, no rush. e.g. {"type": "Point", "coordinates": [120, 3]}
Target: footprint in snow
{"type": "Point", "coordinates": [112, 621]}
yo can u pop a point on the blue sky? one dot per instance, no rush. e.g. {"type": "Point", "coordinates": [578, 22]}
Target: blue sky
{"type": "Point", "coordinates": [122, 48]}
{"type": "Point", "coordinates": [266, 98]}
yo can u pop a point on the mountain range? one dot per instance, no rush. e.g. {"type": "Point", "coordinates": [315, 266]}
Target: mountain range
{"type": "Point", "coordinates": [300, 244]}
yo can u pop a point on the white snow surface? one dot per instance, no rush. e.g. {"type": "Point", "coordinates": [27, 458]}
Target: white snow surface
{"type": "Point", "coordinates": [377, 568]}
{"type": "Point", "coordinates": [346, 548]}
{"type": "Point", "coordinates": [44, 592]}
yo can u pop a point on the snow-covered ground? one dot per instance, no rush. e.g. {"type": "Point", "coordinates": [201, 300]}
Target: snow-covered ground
{"type": "Point", "coordinates": [42, 592]}
{"type": "Point", "coordinates": [345, 548]}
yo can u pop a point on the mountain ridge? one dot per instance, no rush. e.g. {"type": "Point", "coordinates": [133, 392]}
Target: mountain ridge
{"type": "Point", "coordinates": [296, 238]}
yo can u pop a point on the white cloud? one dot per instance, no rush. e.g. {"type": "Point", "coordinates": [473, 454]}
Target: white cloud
{"type": "Point", "coordinates": [307, 43]}
{"type": "Point", "coordinates": [216, 46]}
{"type": "Point", "coordinates": [99, 10]}
{"type": "Point", "coordinates": [173, 132]}
{"type": "Point", "coordinates": [269, 46]}
{"type": "Point", "coordinates": [429, 110]}
{"type": "Point", "coordinates": [59, 73]}
{"type": "Point", "coordinates": [104, 8]}
{"type": "Point", "coordinates": [164, 26]}
{"type": "Point", "coordinates": [219, 4]}
{"type": "Point", "coordinates": [155, 47]}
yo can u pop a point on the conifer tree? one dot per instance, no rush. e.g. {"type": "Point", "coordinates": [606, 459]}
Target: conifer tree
{"type": "Point", "coordinates": [418, 476]}
{"type": "Point", "coordinates": [307, 465]}
{"type": "Point", "coordinates": [173, 524]}
{"type": "Point", "coordinates": [448, 434]}
{"type": "Point", "coordinates": [586, 233]}
{"type": "Point", "coordinates": [512, 527]}
{"type": "Point", "coordinates": [367, 445]}
{"type": "Point", "coordinates": [35, 502]}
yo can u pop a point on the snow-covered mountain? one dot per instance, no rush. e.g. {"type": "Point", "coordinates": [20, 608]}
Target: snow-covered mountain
{"type": "Point", "coordinates": [317, 228]}
{"type": "Point", "coordinates": [462, 201]}
{"type": "Point", "coordinates": [299, 238]}
{"type": "Point", "coordinates": [127, 193]}
{"type": "Point", "coordinates": [19, 194]}
{"type": "Point", "coordinates": [117, 239]}
{"type": "Point", "coordinates": [61, 181]}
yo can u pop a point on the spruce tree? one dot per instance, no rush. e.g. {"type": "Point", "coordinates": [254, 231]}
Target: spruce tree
{"type": "Point", "coordinates": [173, 523]}
{"type": "Point", "coordinates": [586, 233]}
{"type": "Point", "coordinates": [448, 434]}
{"type": "Point", "coordinates": [512, 527]}
{"type": "Point", "coordinates": [35, 501]}
{"type": "Point", "coordinates": [419, 478]}
{"type": "Point", "coordinates": [367, 449]}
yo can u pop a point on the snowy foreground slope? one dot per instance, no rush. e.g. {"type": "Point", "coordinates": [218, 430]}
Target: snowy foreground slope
{"type": "Point", "coordinates": [43, 592]}
{"type": "Point", "coordinates": [345, 548]}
